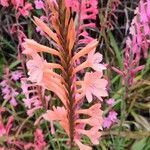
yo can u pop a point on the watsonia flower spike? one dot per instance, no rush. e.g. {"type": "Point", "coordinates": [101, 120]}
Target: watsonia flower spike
{"type": "Point", "coordinates": [71, 91]}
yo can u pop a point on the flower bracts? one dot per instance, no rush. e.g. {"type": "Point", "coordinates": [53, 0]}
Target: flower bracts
{"type": "Point", "coordinates": [63, 79]}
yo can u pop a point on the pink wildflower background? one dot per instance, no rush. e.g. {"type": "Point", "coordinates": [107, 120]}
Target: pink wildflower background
{"type": "Point", "coordinates": [74, 75]}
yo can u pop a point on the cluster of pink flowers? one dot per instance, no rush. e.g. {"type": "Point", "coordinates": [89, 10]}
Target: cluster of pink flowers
{"type": "Point", "coordinates": [34, 96]}
{"type": "Point", "coordinates": [23, 8]}
{"type": "Point", "coordinates": [6, 131]}
{"type": "Point", "coordinates": [139, 30]}
{"type": "Point", "coordinates": [137, 42]}
{"type": "Point", "coordinates": [85, 10]}
{"type": "Point", "coordinates": [9, 91]}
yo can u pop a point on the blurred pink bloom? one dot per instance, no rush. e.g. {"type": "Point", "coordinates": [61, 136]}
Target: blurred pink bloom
{"type": "Point", "coordinates": [39, 142]}
{"type": "Point", "coordinates": [16, 75]}
{"type": "Point", "coordinates": [17, 3]}
{"type": "Point", "coordinates": [112, 116]}
{"type": "Point", "coordinates": [2, 129]}
{"type": "Point", "coordinates": [88, 11]}
{"type": "Point", "coordinates": [9, 93]}
{"type": "Point", "coordinates": [39, 4]}
{"type": "Point", "coordinates": [142, 12]}
{"type": "Point", "coordinates": [110, 102]}
{"type": "Point", "coordinates": [107, 123]}
{"type": "Point", "coordinates": [24, 11]}
{"type": "Point", "coordinates": [148, 9]}
{"type": "Point", "coordinates": [93, 84]}
{"type": "Point", "coordinates": [33, 99]}
{"type": "Point", "coordinates": [9, 124]}
{"type": "Point", "coordinates": [4, 3]}
{"type": "Point", "coordinates": [137, 44]}
{"type": "Point", "coordinates": [89, 6]}
{"type": "Point", "coordinates": [110, 119]}
{"type": "Point", "coordinates": [73, 4]}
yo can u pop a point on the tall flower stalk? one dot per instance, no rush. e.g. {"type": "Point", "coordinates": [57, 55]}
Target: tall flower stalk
{"type": "Point", "coordinates": [63, 79]}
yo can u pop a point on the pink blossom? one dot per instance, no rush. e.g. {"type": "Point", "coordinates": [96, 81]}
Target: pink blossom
{"type": "Point", "coordinates": [143, 14]}
{"type": "Point", "coordinates": [9, 93]}
{"type": "Point", "coordinates": [4, 3]}
{"type": "Point", "coordinates": [2, 129]}
{"type": "Point", "coordinates": [95, 109]}
{"type": "Point", "coordinates": [110, 102]}
{"type": "Point", "coordinates": [93, 134]}
{"type": "Point", "coordinates": [17, 3]}
{"type": "Point", "coordinates": [93, 84]}
{"type": "Point", "coordinates": [110, 119]}
{"type": "Point", "coordinates": [107, 123]}
{"type": "Point", "coordinates": [36, 68]}
{"type": "Point", "coordinates": [33, 99]}
{"type": "Point", "coordinates": [39, 4]}
{"type": "Point", "coordinates": [25, 10]}
{"type": "Point", "coordinates": [39, 142]}
{"type": "Point", "coordinates": [112, 116]}
{"type": "Point", "coordinates": [148, 9]}
{"type": "Point", "coordinates": [16, 75]}
{"type": "Point", "coordinates": [94, 60]}
{"type": "Point", "coordinates": [73, 4]}
{"type": "Point", "coordinates": [60, 114]}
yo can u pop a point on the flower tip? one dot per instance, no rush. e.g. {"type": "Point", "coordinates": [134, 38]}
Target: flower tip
{"type": "Point", "coordinates": [35, 18]}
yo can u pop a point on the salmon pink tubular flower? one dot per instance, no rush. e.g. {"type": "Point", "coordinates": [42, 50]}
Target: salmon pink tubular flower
{"type": "Point", "coordinates": [59, 114]}
{"type": "Point", "coordinates": [62, 79]}
{"type": "Point", "coordinates": [93, 84]}
{"type": "Point", "coordinates": [36, 69]}
{"type": "Point", "coordinates": [93, 61]}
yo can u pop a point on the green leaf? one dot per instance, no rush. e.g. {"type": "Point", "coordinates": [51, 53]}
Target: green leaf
{"type": "Point", "coordinates": [14, 64]}
{"type": "Point", "coordinates": [7, 43]}
{"type": "Point", "coordinates": [139, 145]}
{"type": "Point", "coordinates": [116, 49]}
